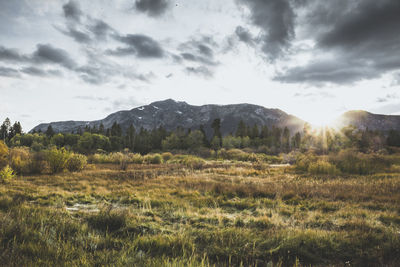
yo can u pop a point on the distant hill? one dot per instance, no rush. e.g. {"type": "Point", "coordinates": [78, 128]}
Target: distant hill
{"type": "Point", "coordinates": [363, 120]}
{"type": "Point", "coordinates": [170, 114]}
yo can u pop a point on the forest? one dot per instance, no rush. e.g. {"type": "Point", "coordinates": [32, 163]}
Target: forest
{"type": "Point", "coordinates": [257, 197]}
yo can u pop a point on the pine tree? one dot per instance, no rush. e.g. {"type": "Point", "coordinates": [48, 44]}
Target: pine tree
{"type": "Point", "coordinates": [49, 132]}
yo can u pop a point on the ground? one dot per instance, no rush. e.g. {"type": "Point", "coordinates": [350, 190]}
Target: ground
{"type": "Point", "coordinates": [223, 214]}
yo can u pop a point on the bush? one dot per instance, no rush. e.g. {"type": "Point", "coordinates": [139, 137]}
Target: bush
{"type": "Point", "coordinates": [136, 158]}
{"type": "Point", "coordinates": [3, 155]}
{"type": "Point", "coordinates": [38, 163]}
{"type": "Point", "coordinates": [351, 161]}
{"type": "Point", "coordinates": [57, 159]}
{"type": "Point", "coordinates": [76, 162]}
{"type": "Point", "coordinates": [189, 161]}
{"type": "Point", "coordinates": [20, 158]}
{"type": "Point", "coordinates": [303, 161]}
{"type": "Point", "coordinates": [153, 159]}
{"type": "Point", "coordinates": [167, 156]}
{"type": "Point", "coordinates": [6, 174]}
{"type": "Point", "coordinates": [322, 167]}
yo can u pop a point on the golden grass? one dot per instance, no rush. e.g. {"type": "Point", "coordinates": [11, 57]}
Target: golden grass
{"type": "Point", "coordinates": [225, 214]}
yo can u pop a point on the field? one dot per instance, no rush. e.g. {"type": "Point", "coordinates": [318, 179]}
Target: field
{"type": "Point", "coordinates": [225, 213]}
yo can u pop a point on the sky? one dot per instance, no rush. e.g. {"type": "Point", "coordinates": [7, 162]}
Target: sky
{"type": "Point", "coordinates": [82, 60]}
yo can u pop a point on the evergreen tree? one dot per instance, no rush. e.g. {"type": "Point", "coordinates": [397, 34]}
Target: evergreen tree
{"type": "Point", "coordinates": [49, 132]}
{"type": "Point", "coordinates": [206, 143]}
{"type": "Point", "coordinates": [286, 139]}
{"type": "Point", "coordinates": [216, 125]}
{"type": "Point", "coordinates": [5, 129]}
{"type": "Point", "coordinates": [241, 129]}
{"type": "Point", "coordinates": [101, 129]}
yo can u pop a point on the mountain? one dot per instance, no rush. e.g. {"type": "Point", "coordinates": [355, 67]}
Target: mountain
{"type": "Point", "coordinates": [363, 120]}
{"type": "Point", "coordinates": [170, 114]}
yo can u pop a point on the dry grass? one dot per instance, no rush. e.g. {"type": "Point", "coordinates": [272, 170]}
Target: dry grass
{"type": "Point", "coordinates": [225, 213]}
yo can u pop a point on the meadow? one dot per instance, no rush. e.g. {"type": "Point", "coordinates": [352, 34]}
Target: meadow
{"type": "Point", "coordinates": [186, 211]}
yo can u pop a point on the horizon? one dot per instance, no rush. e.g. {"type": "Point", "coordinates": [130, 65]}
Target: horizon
{"type": "Point", "coordinates": [331, 124]}
{"type": "Point", "coordinates": [80, 60]}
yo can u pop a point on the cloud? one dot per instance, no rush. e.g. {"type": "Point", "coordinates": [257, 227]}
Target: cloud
{"type": "Point", "coordinates": [11, 55]}
{"type": "Point", "coordinates": [140, 45]}
{"type": "Point", "coordinates": [323, 71]}
{"type": "Point", "coordinates": [9, 72]}
{"type": "Point", "coordinates": [72, 11]}
{"type": "Point", "coordinates": [77, 35]}
{"type": "Point", "coordinates": [85, 30]}
{"type": "Point", "coordinates": [199, 50]}
{"type": "Point", "coordinates": [387, 98]}
{"type": "Point", "coordinates": [45, 53]}
{"type": "Point", "coordinates": [39, 72]}
{"type": "Point", "coordinates": [201, 71]}
{"type": "Point", "coordinates": [152, 8]}
{"type": "Point", "coordinates": [244, 35]}
{"type": "Point", "coordinates": [276, 20]}
{"type": "Point", "coordinates": [361, 38]}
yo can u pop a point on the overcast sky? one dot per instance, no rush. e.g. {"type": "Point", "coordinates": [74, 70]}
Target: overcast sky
{"type": "Point", "coordinates": [82, 60]}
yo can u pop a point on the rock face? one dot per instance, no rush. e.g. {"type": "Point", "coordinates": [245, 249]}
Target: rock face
{"type": "Point", "coordinates": [170, 114]}
{"type": "Point", "coordinates": [363, 120]}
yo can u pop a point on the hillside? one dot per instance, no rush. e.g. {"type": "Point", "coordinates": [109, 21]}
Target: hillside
{"type": "Point", "coordinates": [363, 120]}
{"type": "Point", "coordinates": [171, 114]}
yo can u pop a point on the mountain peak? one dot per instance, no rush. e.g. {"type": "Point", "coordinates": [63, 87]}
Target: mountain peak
{"type": "Point", "coordinates": [171, 114]}
{"type": "Point", "coordinates": [167, 102]}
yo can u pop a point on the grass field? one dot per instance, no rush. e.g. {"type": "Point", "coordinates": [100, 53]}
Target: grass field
{"type": "Point", "coordinates": [225, 214]}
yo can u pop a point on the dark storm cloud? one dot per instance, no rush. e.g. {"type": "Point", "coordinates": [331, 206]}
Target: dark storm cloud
{"type": "Point", "coordinates": [374, 21]}
{"type": "Point", "coordinates": [140, 45]}
{"type": "Point", "coordinates": [152, 7]}
{"type": "Point", "coordinates": [199, 50]}
{"type": "Point", "coordinates": [320, 72]}
{"type": "Point", "coordinates": [40, 72]}
{"type": "Point", "coordinates": [45, 53]}
{"type": "Point", "coordinates": [78, 36]}
{"type": "Point", "coordinates": [12, 55]}
{"type": "Point", "coordinates": [201, 71]}
{"type": "Point", "coordinates": [276, 20]}
{"type": "Point", "coordinates": [83, 28]}
{"type": "Point", "coordinates": [244, 35]}
{"type": "Point", "coordinates": [72, 11]}
{"type": "Point", "coordinates": [9, 72]}
{"type": "Point", "coordinates": [100, 29]}
{"type": "Point", "coordinates": [200, 59]}
{"type": "Point", "coordinates": [362, 37]}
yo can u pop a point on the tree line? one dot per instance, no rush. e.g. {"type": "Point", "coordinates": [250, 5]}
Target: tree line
{"type": "Point", "coordinates": [271, 140]}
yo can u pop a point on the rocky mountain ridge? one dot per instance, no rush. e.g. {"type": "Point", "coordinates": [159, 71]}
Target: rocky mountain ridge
{"type": "Point", "coordinates": [171, 114]}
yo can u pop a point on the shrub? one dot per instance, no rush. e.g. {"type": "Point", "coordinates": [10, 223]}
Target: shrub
{"type": "Point", "coordinates": [3, 155]}
{"type": "Point", "coordinates": [38, 163]}
{"type": "Point", "coordinates": [20, 158]}
{"type": "Point", "coordinates": [304, 161]}
{"type": "Point", "coordinates": [136, 158]}
{"type": "Point", "coordinates": [167, 156]}
{"type": "Point", "coordinates": [76, 162]}
{"type": "Point", "coordinates": [153, 159]}
{"type": "Point", "coordinates": [189, 161]}
{"type": "Point", "coordinates": [351, 161]}
{"type": "Point", "coordinates": [6, 174]}
{"type": "Point", "coordinates": [57, 159]}
{"type": "Point", "coordinates": [322, 167]}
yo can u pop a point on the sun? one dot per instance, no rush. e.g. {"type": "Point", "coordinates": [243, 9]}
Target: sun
{"type": "Point", "coordinates": [322, 118]}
